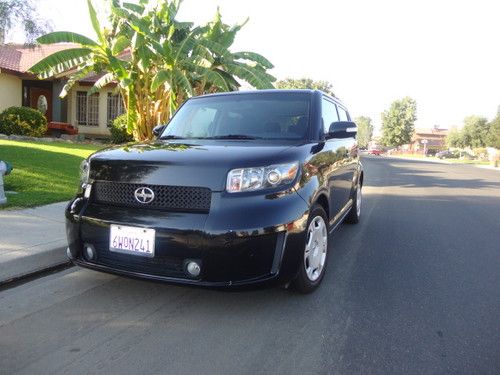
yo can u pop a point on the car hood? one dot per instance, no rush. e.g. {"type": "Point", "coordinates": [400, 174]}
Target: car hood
{"type": "Point", "coordinates": [203, 164]}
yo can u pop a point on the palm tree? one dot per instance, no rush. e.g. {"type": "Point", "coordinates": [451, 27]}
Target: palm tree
{"type": "Point", "coordinates": [156, 60]}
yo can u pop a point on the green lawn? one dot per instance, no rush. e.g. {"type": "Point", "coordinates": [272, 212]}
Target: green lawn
{"type": "Point", "coordinates": [43, 172]}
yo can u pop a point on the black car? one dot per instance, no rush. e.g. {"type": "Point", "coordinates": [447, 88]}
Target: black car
{"type": "Point", "coordinates": [239, 188]}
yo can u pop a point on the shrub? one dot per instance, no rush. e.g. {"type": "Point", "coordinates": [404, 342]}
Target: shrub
{"type": "Point", "coordinates": [480, 153]}
{"type": "Point", "coordinates": [118, 130]}
{"type": "Point", "coordinates": [23, 121]}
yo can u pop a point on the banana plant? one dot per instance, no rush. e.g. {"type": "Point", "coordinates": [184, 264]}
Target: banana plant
{"type": "Point", "coordinates": [156, 61]}
{"type": "Point", "coordinates": [250, 67]}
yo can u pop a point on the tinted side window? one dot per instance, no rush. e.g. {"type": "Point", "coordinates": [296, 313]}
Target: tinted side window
{"type": "Point", "coordinates": [343, 114]}
{"type": "Point", "coordinates": [329, 114]}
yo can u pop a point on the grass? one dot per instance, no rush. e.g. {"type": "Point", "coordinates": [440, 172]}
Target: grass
{"type": "Point", "coordinates": [44, 172]}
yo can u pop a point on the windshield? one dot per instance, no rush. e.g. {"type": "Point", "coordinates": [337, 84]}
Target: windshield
{"type": "Point", "coordinates": [244, 116]}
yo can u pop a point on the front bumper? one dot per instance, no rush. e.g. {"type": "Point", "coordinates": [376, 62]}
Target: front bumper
{"type": "Point", "coordinates": [229, 244]}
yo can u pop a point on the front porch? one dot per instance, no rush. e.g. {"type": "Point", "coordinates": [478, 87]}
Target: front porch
{"type": "Point", "coordinates": [90, 114]}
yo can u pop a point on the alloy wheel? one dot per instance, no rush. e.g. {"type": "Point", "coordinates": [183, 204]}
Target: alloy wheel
{"type": "Point", "coordinates": [316, 248]}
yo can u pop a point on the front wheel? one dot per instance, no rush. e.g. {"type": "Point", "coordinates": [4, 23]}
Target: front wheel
{"type": "Point", "coordinates": [313, 262]}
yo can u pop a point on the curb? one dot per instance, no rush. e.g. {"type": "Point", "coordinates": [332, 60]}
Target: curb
{"type": "Point", "coordinates": [438, 161]}
{"type": "Point", "coordinates": [490, 167]}
{"type": "Point", "coordinates": [27, 265]}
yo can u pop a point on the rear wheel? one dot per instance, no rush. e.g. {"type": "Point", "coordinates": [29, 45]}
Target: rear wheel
{"type": "Point", "coordinates": [355, 212]}
{"type": "Point", "coordinates": [313, 262]}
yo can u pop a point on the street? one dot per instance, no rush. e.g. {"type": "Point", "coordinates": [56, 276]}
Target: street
{"type": "Point", "coordinates": [414, 288]}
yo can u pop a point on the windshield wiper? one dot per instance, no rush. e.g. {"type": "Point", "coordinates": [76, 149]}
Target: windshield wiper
{"type": "Point", "coordinates": [171, 137]}
{"type": "Point", "coordinates": [233, 136]}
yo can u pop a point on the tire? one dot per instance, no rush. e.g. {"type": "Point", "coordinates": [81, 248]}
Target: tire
{"type": "Point", "coordinates": [355, 212]}
{"type": "Point", "coordinates": [313, 259]}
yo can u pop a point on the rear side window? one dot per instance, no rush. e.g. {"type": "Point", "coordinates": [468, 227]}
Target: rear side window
{"type": "Point", "coordinates": [329, 114]}
{"type": "Point", "coordinates": [343, 114]}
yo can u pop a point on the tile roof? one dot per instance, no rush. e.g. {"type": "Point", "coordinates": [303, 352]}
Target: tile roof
{"type": "Point", "coordinates": [9, 58]}
{"type": "Point", "coordinates": [91, 77]}
{"type": "Point", "coordinates": [19, 57]}
{"type": "Point", "coordinates": [431, 132]}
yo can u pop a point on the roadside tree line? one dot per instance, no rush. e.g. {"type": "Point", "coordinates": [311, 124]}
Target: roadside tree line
{"type": "Point", "coordinates": [477, 132]}
{"type": "Point", "coordinates": [365, 126]}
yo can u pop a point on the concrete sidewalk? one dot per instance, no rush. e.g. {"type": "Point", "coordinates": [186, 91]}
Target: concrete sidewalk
{"type": "Point", "coordinates": [31, 240]}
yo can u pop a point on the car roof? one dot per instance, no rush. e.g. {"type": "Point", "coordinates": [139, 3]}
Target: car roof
{"type": "Point", "coordinates": [270, 91]}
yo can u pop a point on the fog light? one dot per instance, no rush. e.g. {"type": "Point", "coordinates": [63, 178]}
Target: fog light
{"type": "Point", "coordinates": [193, 268]}
{"type": "Point", "coordinates": [88, 252]}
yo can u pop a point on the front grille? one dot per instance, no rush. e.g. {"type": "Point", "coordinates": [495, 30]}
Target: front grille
{"type": "Point", "coordinates": [168, 198]}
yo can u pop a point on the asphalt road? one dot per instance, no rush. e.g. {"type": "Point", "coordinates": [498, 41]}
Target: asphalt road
{"type": "Point", "coordinates": [413, 289]}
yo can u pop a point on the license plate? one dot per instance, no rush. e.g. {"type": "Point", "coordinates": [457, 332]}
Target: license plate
{"type": "Point", "coordinates": [132, 240]}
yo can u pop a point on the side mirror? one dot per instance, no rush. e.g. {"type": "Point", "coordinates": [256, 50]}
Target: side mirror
{"type": "Point", "coordinates": [158, 129]}
{"type": "Point", "coordinates": [342, 129]}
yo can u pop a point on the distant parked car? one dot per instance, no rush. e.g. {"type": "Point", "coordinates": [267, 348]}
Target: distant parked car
{"type": "Point", "coordinates": [446, 154]}
{"type": "Point", "coordinates": [375, 151]}
{"type": "Point", "coordinates": [466, 155]}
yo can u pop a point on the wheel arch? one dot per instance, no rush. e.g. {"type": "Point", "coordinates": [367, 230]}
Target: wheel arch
{"type": "Point", "coordinates": [322, 200]}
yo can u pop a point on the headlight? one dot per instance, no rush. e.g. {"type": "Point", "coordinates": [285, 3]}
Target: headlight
{"type": "Point", "coordinates": [84, 172]}
{"type": "Point", "coordinates": [251, 179]}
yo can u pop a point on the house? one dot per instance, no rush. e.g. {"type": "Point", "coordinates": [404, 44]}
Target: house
{"type": "Point", "coordinates": [92, 115]}
{"type": "Point", "coordinates": [433, 139]}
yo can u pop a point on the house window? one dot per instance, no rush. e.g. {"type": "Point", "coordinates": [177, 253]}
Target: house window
{"type": "Point", "coordinates": [115, 107]}
{"type": "Point", "coordinates": [87, 109]}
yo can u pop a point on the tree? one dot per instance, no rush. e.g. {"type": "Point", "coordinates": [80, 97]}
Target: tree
{"type": "Point", "coordinates": [475, 131]}
{"type": "Point", "coordinates": [305, 83]}
{"type": "Point", "coordinates": [493, 139]}
{"type": "Point", "coordinates": [365, 131]}
{"type": "Point", "coordinates": [398, 123]}
{"type": "Point", "coordinates": [454, 139]}
{"type": "Point", "coordinates": [248, 66]}
{"type": "Point", "coordinates": [157, 61]}
{"type": "Point", "coordinates": [23, 13]}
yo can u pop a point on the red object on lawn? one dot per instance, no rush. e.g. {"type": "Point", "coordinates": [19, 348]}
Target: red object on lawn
{"type": "Point", "coordinates": [57, 128]}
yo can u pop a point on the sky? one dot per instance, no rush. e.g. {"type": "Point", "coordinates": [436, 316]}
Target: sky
{"type": "Point", "coordinates": [444, 54]}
